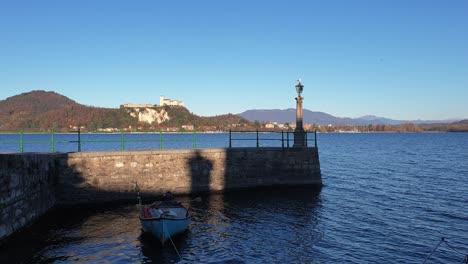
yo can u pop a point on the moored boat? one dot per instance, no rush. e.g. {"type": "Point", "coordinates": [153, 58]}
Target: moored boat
{"type": "Point", "coordinates": [164, 219]}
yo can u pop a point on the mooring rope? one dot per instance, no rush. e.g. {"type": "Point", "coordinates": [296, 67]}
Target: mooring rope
{"type": "Point", "coordinates": [464, 260]}
{"type": "Point", "coordinates": [453, 249]}
{"type": "Point", "coordinates": [175, 248]}
{"type": "Point", "coordinates": [441, 240]}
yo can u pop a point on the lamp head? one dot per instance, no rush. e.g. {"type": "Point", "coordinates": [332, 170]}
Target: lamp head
{"type": "Point", "coordinates": [299, 87]}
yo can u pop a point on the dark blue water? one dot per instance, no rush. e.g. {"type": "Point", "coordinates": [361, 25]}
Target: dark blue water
{"type": "Point", "coordinates": [387, 198]}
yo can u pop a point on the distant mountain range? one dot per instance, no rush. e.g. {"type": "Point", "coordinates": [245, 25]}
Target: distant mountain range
{"type": "Point", "coordinates": [321, 118]}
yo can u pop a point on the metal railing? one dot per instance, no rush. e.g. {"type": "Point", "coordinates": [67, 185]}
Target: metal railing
{"type": "Point", "coordinates": [285, 137]}
{"type": "Point", "coordinates": [79, 141]}
{"type": "Point", "coordinates": [74, 142]}
{"type": "Point", "coordinates": [123, 140]}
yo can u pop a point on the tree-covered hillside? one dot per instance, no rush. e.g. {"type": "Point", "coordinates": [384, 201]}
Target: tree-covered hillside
{"type": "Point", "coordinates": [41, 110]}
{"type": "Point", "coordinates": [44, 111]}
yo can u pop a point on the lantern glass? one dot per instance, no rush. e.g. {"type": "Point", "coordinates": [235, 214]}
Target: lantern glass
{"type": "Point", "coordinates": [299, 88]}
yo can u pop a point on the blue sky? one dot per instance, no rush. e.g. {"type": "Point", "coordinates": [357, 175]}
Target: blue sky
{"type": "Point", "coordinates": [397, 59]}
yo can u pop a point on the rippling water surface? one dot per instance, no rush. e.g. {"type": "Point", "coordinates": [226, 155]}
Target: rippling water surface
{"type": "Point", "coordinates": [387, 198]}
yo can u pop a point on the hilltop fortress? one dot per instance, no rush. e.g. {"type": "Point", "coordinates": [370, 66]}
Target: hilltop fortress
{"type": "Point", "coordinates": [162, 102]}
{"type": "Point", "coordinates": [150, 113]}
{"type": "Point", "coordinates": [166, 101]}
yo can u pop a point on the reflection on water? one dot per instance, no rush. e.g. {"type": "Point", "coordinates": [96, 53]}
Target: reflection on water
{"type": "Point", "coordinates": [235, 227]}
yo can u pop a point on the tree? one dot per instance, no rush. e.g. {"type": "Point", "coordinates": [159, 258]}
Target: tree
{"type": "Point", "coordinates": [257, 124]}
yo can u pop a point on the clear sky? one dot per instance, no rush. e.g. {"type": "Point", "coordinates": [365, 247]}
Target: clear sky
{"type": "Point", "coordinates": [396, 59]}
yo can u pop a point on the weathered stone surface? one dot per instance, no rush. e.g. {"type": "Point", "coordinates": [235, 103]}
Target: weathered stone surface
{"type": "Point", "coordinates": [27, 191]}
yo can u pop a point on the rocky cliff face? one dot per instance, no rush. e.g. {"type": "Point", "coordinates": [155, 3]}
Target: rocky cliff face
{"type": "Point", "coordinates": [150, 115]}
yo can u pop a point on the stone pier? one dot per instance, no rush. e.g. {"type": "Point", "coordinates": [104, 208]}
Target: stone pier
{"type": "Point", "coordinates": [32, 183]}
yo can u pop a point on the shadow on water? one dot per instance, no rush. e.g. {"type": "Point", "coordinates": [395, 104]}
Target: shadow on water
{"type": "Point", "coordinates": [245, 226]}
{"type": "Point", "coordinates": [154, 252]}
{"type": "Point", "coordinates": [58, 228]}
{"type": "Point", "coordinates": [234, 227]}
{"type": "Point", "coordinates": [257, 225]}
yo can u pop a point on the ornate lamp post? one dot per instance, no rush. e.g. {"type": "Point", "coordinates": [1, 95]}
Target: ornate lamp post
{"type": "Point", "coordinates": [299, 134]}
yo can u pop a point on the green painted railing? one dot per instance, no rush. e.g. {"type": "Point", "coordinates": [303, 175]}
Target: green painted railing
{"type": "Point", "coordinates": [22, 142]}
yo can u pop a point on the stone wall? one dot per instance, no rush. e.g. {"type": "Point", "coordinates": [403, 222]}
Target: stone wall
{"type": "Point", "coordinates": [26, 189]}
{"type": "Point", "coordinates": [109, 176]}
{"type": "Point", "coordinates": [30, 184]}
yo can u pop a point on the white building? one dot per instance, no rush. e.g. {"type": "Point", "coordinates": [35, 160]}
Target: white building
{"type": "Point", "coordinates": [188, 127]}
{"type": "Point", "coordinates": [137, 105]}
{"type": "Point", "coordinates": [165, 101]}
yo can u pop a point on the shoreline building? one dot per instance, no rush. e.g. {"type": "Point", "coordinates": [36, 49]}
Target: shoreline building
{"type": "Point", "coordinates": [165, 101]}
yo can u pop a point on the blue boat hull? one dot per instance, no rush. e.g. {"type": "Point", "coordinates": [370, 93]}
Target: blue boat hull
{"type": "Point", "coordinates": [163, 229]}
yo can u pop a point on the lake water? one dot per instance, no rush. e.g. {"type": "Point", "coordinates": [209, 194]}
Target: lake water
{"type": "Point", "coordinates": [387, 198]}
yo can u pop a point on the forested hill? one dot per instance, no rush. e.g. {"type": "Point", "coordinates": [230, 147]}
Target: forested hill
{"type": "Point", "coordinates": [42, 111]}
{"type": "Point", "coordinates": [180, 116]}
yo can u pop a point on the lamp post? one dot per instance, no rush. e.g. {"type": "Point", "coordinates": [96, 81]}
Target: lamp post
{"type": "Point", "coordinates": [299, 134]}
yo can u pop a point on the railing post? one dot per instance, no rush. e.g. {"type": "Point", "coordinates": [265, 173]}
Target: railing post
{"type": "Point", "coordinates": [194, 139]}
{"type": "Point", "coordinates": [160, 140]}
{"type": "Point", "coordinates": [287, 139]}
{"type": "Point", "coordinates": [306, 138]}
{"type": "Point", "coordinates": [79, 139]}
{"type": "Point", "coordinates": [52, 141]}
{"type": "Point", "coordinates": [230, 144]}
{"type": "Point", "coordinates": [257, 139]}
{"type": "Point", "coordinates": [282, 138]}
{"type": "Point", "coordinates": [21, 141]}
{"type": "Point", "coordinates": [122, 141]}
{"type": "Point", "coordinates": [315, 138]}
